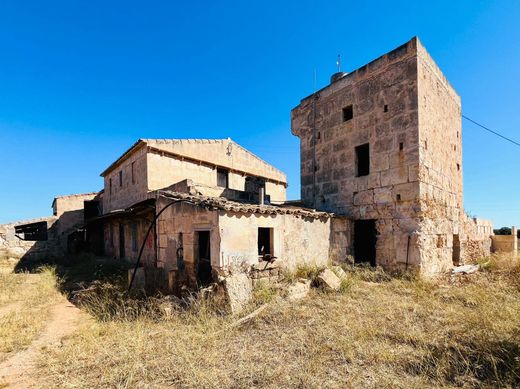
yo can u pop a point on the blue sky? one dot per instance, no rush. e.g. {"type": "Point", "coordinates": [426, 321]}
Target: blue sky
{"type": "Point", "coordinates": [80, 81]}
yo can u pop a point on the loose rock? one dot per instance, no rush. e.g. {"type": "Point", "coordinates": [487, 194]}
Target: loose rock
{"type": "Point", "coordinates": [328, 280]}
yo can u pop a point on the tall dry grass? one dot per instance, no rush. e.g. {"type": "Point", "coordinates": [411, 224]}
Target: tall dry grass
{"type": "Point", "coordinates": [386, 332]}
{"type": "Point", "coordinates": [25, 300]}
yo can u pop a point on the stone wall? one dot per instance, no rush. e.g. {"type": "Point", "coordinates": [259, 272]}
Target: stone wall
{"type": "Point", "coordinates": [383, 96]}
{"type": "Point", "coordinates": [506, 243]}
{"type": "Point", "coordinates": [133, 189]}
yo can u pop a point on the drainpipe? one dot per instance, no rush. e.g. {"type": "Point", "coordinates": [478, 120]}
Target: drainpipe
{"type": "Point", "coordinates": [261, 196]}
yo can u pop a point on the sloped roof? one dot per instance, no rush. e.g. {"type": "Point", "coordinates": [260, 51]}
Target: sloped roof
{"type": "Point", "coordinates": [242, 207]}
{"type": "Point", "coordinates": [218, 152]}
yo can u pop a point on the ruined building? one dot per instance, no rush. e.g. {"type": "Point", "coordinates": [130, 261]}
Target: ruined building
{"type": "Point", "coordinates": [382, 145]}
{"type": "Point", "coordinates": [381, 182]}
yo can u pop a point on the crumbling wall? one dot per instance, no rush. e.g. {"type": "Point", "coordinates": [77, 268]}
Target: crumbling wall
{"type": "Point", "coordinates": [506, 243]}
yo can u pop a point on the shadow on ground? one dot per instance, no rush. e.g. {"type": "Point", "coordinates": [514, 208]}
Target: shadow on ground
{"type": "Point", "coordinates": [77, 272]}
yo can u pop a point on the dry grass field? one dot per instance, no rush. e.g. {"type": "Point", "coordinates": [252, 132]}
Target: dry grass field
{"type": "Point", "coordinates": [380, 331]}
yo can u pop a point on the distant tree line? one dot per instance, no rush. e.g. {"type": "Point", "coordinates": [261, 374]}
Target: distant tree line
{"type": "Point", "coordinates": [506, 231]}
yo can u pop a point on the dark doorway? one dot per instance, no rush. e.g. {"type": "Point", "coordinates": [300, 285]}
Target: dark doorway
{"type": "Point", "coordinates": [456, 250]}
{"type": "Point", "coordinates": [121, 241]}
{"type": "Point", "coordinates": [203, 252]}
{"type": "Point", "coordinates": [365, 241]}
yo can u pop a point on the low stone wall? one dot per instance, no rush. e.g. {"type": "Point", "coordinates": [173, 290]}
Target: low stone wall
{"type": "Point", "coordinates": [505, 243]}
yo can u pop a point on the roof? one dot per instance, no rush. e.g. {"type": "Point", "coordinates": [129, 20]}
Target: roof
{"type": "Point", "coordinates": [74, 195]}
{"type": "Point", "coordinates": [216, 152]}
{"type": "Point", "coordinates": [221, 203]}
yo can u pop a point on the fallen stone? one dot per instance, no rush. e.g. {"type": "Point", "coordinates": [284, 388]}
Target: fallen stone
{"type": "Point", "coordinates": [465, 269]}
{"type": "Point", "coordinates": [238, 290]}
{"type": "Point", "coordinates": [338, 270]}
{"type": "Point", "coordinates": [299, 290]}
{"type": "Point", "coordinates": [328, 280]}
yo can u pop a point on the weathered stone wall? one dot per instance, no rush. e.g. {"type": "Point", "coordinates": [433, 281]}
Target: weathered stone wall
{"type": "Point", "coordinates": [177, 228]}
{"type": "Point", "coordinates": [296, 240]}
{"type": "Point", "coordinates": [440, 167]}
{"type": "Point", "coordinates": [134, 229]}
{"type": "Point", "coordinates": [383, 95]}
{"type": "Point", "coordinates": [506, 243]}
{"type": "Point", "coordinates": [32, 250]}
{"type": "Point", "coordinates": [157, 164]}
{"type": "Point", "coordinates": [131, 191]}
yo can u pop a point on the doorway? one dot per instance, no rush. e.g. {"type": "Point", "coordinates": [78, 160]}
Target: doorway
{"type": "Point", "coordinates": [203, 253]}
{"type": "Point", "coordinates": [456, 250]}
{"type": "Point", "coordinates": [365, 237]}
{"type": "Point", "coordinates": [121, 241]}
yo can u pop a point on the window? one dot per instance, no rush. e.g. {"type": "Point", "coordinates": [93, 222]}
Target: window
{"type": "Point", "coordinates": [222, 178]}
{"type": "Point", "coordinates": [265, 242]}
{"type": "Point", "coordinates": [458, 166]}
{"type": "Point", "coordinates": [31, 232]}
{"type": "Point", "coordinates": [398, 197]}
{"type": "Point", "coordinates": [133, 231]}
{"type": "Point", "coordinates": [133, 177]}
{"type": "Point", "coordinates": [110, 185]}
{"type": "Point", "coordinates": [348, 113]}
{"type": "Point", "coordinates": [120, 178]}
{"type": "Point", "coordinates": [363, 160]}
{"type": "Point", "coordinates": [426, 145]}
{"type": "Point", "coordinates": [401, 146]}
{"type": "Point", "coordinates": [385, 108]}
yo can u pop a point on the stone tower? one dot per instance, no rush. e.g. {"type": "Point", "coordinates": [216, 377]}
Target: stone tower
{"type": "Point", "coordinates": [383, 146]}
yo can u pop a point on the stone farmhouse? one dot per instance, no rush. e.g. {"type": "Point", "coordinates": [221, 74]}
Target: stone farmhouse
{"type": "Point", "coordinates": [381, 183]}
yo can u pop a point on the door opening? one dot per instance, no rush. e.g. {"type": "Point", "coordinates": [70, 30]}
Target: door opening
{"type": "Point", "coordinates": [121, 241]}
{"type": "Point", "coordinates": [365, 237]}
{"type": "Point", "coordinates": [203, 252]}
{"type": "Point", "coordinates": [456, 250]}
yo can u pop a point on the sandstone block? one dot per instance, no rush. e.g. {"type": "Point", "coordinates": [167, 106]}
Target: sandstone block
{"type": "Point", "coordinates": [299, 290]}
{"type": "Point", "coordinates": [238, 289]}
{"type": "Point", "coordinates": [328, 280]}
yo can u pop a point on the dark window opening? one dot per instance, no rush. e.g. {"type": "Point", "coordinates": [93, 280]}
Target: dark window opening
{"type": "Point", "coordinates": [426, 145]}
{"type": "Point", "coordinates": [133, 174]}
{"type": "Point", "coordinates": [385, 109]}
{"type": "Point", "coordinates": [110, 185]}
{"type": "Point", "coordinates": [401, 146]}
{"type": "Point", "coordinates": [458, 166]}
{"type": "Point", "coordinates": [348, 113]}
{"type": "Point", "coordinates": [91, 208]}
{"type": "Point", "coordinates": [365, 238]}
{"type": "Point", "coordinates": [398, 197]}
{"type": "Point", "coordinates": [319, 135]}
{"type": "Point", "coordinates": [265, 242]}
{"type": "Point", "coordinates": [33, 232]}
{"type": "Point", "coordinates": [316, 167]}
{"type": "Point", "coordinates": [363, 160]}
{"type": "Point", "coordinates": [120, 178]}
{"type": "Point", "coordinates": [222, 178]}
{"type": "Point", "coordinates": [134, 236]}
{"type": "Point", "coordinates": [203, 254]}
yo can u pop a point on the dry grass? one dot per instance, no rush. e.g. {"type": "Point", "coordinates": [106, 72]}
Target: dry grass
{"type": "Point", "coordinates": [24, 306]}
{"type": "Point", "coordinates": [383, 332]}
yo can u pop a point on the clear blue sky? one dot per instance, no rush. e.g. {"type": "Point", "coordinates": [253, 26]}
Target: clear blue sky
{"type": "Point", "coordinates": [80, 81]}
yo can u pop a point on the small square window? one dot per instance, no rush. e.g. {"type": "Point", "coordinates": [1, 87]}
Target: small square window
{"type": "Point", "coordinates": [348, 113]}
{"type": "Point", "coordinates": [363, 160]}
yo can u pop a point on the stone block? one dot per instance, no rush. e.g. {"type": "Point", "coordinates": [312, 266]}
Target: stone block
{"type": "Point", "coordinates": [298, 290]}
{"type": "Point", "coordinates": [328, 280]}
{"type": "Point", "coordinates": [238, 289]}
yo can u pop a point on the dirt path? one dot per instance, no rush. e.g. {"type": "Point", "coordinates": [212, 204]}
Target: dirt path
{"type": "Point", "coordinates": [16, 371]}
